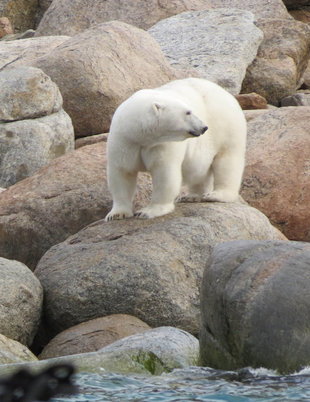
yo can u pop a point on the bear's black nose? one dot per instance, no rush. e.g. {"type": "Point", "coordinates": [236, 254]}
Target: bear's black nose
{"type": "Point", "coordinates": [204, 129]}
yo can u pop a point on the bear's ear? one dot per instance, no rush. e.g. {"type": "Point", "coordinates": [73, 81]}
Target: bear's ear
{"type": "Point", "coordinates": [157, 107]}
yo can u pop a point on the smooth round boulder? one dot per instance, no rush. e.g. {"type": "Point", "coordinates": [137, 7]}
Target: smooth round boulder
{"type": "Point", "coordinates": [255, 306]}
{"type": "Point", "coordinates": [21, 298]}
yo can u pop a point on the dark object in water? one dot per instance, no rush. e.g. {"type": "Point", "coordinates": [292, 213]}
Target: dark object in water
{"type": "Point", "coordinates": [24, 386]}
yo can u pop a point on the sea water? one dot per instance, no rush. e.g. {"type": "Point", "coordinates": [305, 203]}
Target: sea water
{"type": "Point", "coordinates": [194, 384]}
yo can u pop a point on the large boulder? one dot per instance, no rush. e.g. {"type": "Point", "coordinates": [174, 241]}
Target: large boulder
{"type": "Point", "coordinates": [219, 44]}
{"type": "Point", "coordinates": [166, 347]}
{"type": "Point", "coordinates": [281, 60]}
{"type": "Point", "coordinates": [93, 335]}
{"type": "Point", "coordinates": [150, 269]}
{"type": "Point", "coordinates": [99, 68]}
{"type": "Point", "coordinates": [21, 298]}
{"type": "Point", "coordinates": [24, 51]}
{"type": "Point", "coordinates": [34, 129]}
{"type": "Point", "coordinates": [56, 202]}
{"type": "Point", "coordinates": [261, 8]}
{"type": "Point", "coordinates": [255, 306]}
{"type": "Point", "coordinates": [69, 18]}
{"type": "Point", "coordinates": [276, 176]}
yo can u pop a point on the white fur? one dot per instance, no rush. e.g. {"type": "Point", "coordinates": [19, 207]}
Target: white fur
{"type": "Point", "coordinates": [158, 130]}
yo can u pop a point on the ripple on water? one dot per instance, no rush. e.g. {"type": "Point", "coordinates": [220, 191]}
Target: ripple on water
{"type": "Point", "coordinates": [194, 384]}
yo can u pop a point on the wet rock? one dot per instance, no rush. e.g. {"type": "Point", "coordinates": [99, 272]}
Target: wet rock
{"type": "Point", "coordinates": [255, 306]}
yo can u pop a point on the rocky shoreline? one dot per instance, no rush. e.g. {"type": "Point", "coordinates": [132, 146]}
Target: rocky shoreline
{"type": "Point", "coordinates": [211, 284]}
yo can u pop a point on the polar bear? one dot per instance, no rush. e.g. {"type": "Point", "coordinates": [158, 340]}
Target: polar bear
{"type": "Point", "coordinates": [188, 132]}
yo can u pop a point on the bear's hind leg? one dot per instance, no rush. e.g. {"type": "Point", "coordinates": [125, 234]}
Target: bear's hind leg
{"type": "Point", "coordinates": [196, 191]}
{"type": "Point", "coordinates": [227, 169]}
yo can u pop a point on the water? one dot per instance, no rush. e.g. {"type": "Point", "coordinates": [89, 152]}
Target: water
{"type": "Point", "coordinates": [194, 384]}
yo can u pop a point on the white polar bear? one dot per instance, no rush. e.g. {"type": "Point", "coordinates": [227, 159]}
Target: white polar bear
{"type": "Point", "coordinates": [160, 131]}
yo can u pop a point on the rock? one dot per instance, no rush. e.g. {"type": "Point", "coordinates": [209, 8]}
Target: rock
{"type": "Point", "coordinates": [93, 86]}
{"type": "Point", "coordinates": [14, 352]}
{"type": "Point", "coordinates": [281, 60]}
{"type": "Point", "coordinates": [251, 101]}
{"type": "Point", "coordinates": [21, 13]}
{"type": "Point", "coordinates": [21, 298]}
{"type": "Point", "coordinates": [276, 177]}
{"type": "Point", "coordinates": [301, 98]}
{"type": "Point", "coordinates": [28, 145]}
{"type": "Point", "coordinates": [302, 15]}
{"type": "Point", "coordinates": [27, 93]}
{"type": "Point", "coordinates": [151, 352]}
{"type": "Point", "coordinates": [306, 77]}
{"type": "Point", "coordinates": [166, 347]}
{"type": "Point", "coordinates": [20, 35]}
{"type": "Point", "coordinates": [93, 335]}
{"type": "Point", "coordinates": [72, 17]}
{"type": "Point", "coordinates": [252, 114]}
{"type": "Point", "coordinates": [23, 52]}
{"type": "Point", "coordinates": [42, 8]}
{"type": "Point", "coordinates": [5, 27]}
{"type": "Point", "coordinates": [57, 201]}
{"type": "Point", "coordinates": [255, 306]}
{"type": "Point", "coordinates": [150, 269]}
{"type": "Point", "coordinates": [92, 139]}
{"type": "Point", "coordinates": [261, 9]}
{"type": "Point", "coordinates": [29, 141]}
{"type": "Point", "coordinates": [291, 4]}
{"type": "Point", "coordinates": [219, 44]}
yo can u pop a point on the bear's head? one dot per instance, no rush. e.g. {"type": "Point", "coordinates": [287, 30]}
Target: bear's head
{"type": "Point", "coordinates": [150, 117]}
{"type": "Point", "coordinates": [175, 121]}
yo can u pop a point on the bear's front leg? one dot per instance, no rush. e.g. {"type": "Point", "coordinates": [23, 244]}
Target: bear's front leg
{"type": "Point", "coordinates": [167, 180]}
{"type": "Point", "coordinates": [122, 186]}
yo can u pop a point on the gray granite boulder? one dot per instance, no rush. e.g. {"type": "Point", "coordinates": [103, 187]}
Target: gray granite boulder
{"type": "Point", "coordinates": [255, 306]}
{"type": "Point", "coordinates": [34, 129]}
{"type": "Point", "coordinates": [21, 298]}
{"type": "Point", "coordinates": [74, 16]}
{"type": "Point", "coordinates": [261, 8]}
{"type": "Point", "coordinates": [150, 269]}
{"type": "Point", "coordinates": [220, 44]}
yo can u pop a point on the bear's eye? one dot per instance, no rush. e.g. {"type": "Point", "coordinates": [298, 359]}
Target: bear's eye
{"type": "Point", "coordinates": [188, 112]}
